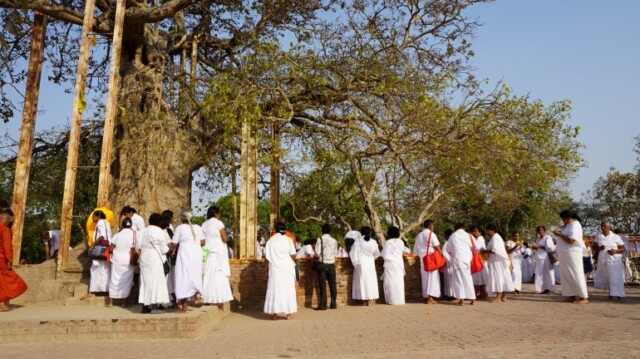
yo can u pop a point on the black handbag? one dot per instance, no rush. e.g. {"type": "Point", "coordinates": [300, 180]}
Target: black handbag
{"type": "Point", "coordinates": [588, 265]}
{"type": "Point", "coordinates": [553, 257]}
{"type": "Point", "coordinates": [166, 266]}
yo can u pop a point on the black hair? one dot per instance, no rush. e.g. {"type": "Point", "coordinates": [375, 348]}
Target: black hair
{"type": "Point", "coordinates": [540, 227]}
{"type": "Point", "coordinates": [492, 227]}
{"type": "Point", "coordinates": [326, 228]}
{"type": "Point", "coordinates": [100, 214]}
{"type": "Point", "coordinates": [155, 219]}
{"type": "Point", "coordinates": [167, 214]}
{"type": "Point", "coordinates": [310, 241]}
{"type": "Point", "coordinates": [133, 210]}
{"type": "Point", "coordinates": [427, 223]}
{"type": "Point", "coordinates": [212, 211]}
{"type": "Point", "coordinates": [127, 223]}
{"type": "Point", "coordinates": [447, 233]}
{"type": "Point", "coordinates": [4, 203]}
{"type": "Point", "coordinates": [459, 225]}
{"type": "Point", "coordinates": [366, 233]}
{"type": "Point", "coordinates": [281, 228]}
{"type": "Point", "coordinates": [569, 213]}
{"type": "Point", "coordinates": [393, 232]}
{"type": "Point", "coordinates": [126, 209]}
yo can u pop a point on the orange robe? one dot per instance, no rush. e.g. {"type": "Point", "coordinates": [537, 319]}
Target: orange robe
{"type": "Point", "coordinates": [11, 285]}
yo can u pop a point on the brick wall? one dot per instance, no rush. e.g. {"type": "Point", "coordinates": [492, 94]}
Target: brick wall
{"type": "Point", "coordinates": [249, 284]}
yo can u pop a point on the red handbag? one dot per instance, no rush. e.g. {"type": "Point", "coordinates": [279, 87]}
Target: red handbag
{"type": "Point", "coordinates": [433, 261]}
{"type": "Point", "coordinates": [476, 259]}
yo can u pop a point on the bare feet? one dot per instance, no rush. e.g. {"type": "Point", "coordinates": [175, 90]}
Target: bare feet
{"type": "Point", "coordinates": [431, 301]}
{"type": "Point", "coordinates": [4, 307]}
{"type": "Point", "coordinates": [546, 291]}
{"type": "Point", "coordinates": [582, 301]}
{"type": "Point", "coordinates": [87, 296]}
{"type": "Point", "coordinates": [570, 299]}
{"type": "Point", "coordinates": [274, 317]}
{"type": "Point", "coordinates": [289, 317]}
{"type": "Point", "coordinates": [472, 302]}
{"type": "Point", "coordinates": [503, 297]}
{"type": "Point", "coordinates": [220, 306]}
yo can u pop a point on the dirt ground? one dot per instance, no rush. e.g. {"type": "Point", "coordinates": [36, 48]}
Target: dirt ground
{"type": "Point", "coordinates": [527, 326]}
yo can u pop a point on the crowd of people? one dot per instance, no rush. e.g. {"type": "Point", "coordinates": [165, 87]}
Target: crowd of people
{"type": "Point", "coordinates": [190, 263]}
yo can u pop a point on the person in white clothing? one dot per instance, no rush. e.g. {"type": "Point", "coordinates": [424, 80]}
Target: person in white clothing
{"type": "Point", "coordinates": [215, 284]}
{"type": "Point", "coordinates": [365, 279]}
{"type": "Point", "coordinates": [458, 253]}
{"type": "Point", "coordinates": [100, 269]}
{"type": "Point", "coordinates": [480, 279]}
{"type": "Point", "coordinates": [545, 280]}
{"type": "Point", "coordinates": [527, 263]}
{"type": "Point", "coordinates": [427, 243]}
{"type": "Point", "coordinates": [610, 273]}
{"type": "Point", "coordinates": [500, 281]}
{"type": "Point", "coordinates": [153, 281]}
{"type": "Point", "coordinates": [570, 247]}
{"type": "Point", "coordinates": [51, 240]}
{"type": "Point", "coordinates": [188, 239]}
{"type": "Point", "coordinates": [514, 249]}
{"type": "Point", "coordinates": [393, 275]}
{"type": "Point", "coordinates": [136, 220]}
{"type": "Point", "coordinates": [281, 292]}
{"type": "Point", "coordinates": [628, 273]}
{"type": "Point", "coordinates": [308, 250]}
{"type": "Point", "coordinates": [122, 271]}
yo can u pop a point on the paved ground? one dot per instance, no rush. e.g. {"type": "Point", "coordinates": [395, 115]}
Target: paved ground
{"type": "Point", "coordinates": [527, 326]}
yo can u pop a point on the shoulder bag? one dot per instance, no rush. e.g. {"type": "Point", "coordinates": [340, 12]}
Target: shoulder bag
{"type": "Point", "coordinates": [434, 260]}
{"type": "Point", "coordinates": [476, 259]}
{"type": "Point", "coordinates": [134, 257]}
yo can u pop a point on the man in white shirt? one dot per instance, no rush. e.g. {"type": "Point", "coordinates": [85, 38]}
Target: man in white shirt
{"type": "Point", "coordinates": [308, 249]}
{"type": "Point", "coordinates": [326, 252]}
{"type": "Point", "coordinates": [51, 240]}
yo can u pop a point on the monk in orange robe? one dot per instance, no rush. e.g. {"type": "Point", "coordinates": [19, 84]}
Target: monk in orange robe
{"type": "Point", "coordinates": [11, 285]}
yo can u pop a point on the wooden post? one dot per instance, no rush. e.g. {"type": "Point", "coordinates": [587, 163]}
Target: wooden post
{"type": "Point", "coordinates": [248, 193]}
{"type": "Point", "coordinates": [234, 209]}
{"type": "Point", "coordinates": [74, 137]}
{"type": "Point", "coordinates": [194, 62]}
{"type": "Point", "coordinates": [25, 149]}
{"type": "Point", "coordinates": [274, 182]}
{"type": "Point", "coordinates": [112, 108]}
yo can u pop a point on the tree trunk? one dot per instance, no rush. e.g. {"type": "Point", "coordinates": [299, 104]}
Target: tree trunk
{"type": "Point", "coordinates": [155, 154]}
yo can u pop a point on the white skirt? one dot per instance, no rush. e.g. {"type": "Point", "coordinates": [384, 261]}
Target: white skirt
{"type": "Point", "coordinates": [281, 291]}
{"type": "Point", "coordinates": [153, 286]}
{"type": "Point", "coordinates": [121, 281]}
{"type": "Point", "coordinates": [393, 284]}
{"type": "Point", "coordinates": [500, 280]}
{"type": "Point", "coordinates": [215, 285]}
{"type": "Point", "coordinates": [572, 276]}
{"type": "Point", "coordinates": [430, 283]}
{"type": "Point", "coordinates": [365, 280]}
{"type": "Point", "coordinates": [100, 274]}
{"type": "Point", "coordinates": [461, 285]}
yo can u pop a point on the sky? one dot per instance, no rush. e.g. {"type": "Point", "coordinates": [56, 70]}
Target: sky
{"type": "Point", "coordinates": [584, 50]}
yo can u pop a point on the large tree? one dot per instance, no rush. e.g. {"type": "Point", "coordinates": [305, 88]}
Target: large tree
{"type": "Point", "coordinates": [161, 135]}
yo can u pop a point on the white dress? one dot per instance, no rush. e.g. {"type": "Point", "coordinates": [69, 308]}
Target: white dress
{"type": "Point", "coordinates": [516, 265]}
{"type": "Point", "coordinates": [281, 291]}
{"type": "Point", "coordinates": [100, 270]}
{"type": "Point", "coordinates": [393, 275]}
{"type": "Point", "coordinates": [610, 274]}
{"type": "Point", "coordinates": [215, 284]}
{"type": "Point", "coordinates": [430, 279]}
{"type": "Point", "coordinates": [572, 275]}
{"type": "Point", "coordinates": [188, 271]}
{"type": "Point", "coordinates": [365, 279]}
{"type": "Point", "coordinates": [500, 280]}
{"type": "Point", "coordinates": [153, 283]}
{"type": "Point", "coordinates": [457, 252]}
{"type": "Point", "coordinates": [544, 270]}
{"type": "Point", "coordinates": [121, 271]}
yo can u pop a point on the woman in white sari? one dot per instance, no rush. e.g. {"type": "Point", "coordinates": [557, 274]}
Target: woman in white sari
{"type": "Point", "coordinates": [610, 273]}
{"type": "Point", "coordinates": [215, 287]}
{"type": "Point", "coordinates": [100, 269]}
{"type": "Point", "coordinates": [153, 250]}
{"type": "Point", "coordinates": [570, 247]}
{"type": "Point", "coordinates": [121, 268]}
{"type": "Point", "coordinates": [545, 275]}
{"type": "Point", "coordinates": [281, 291]}
{"type": "Point", "coordinates": [365, 279]}
{"type": "Point", "coordinates": [188, 238]}
{"type": "Point", "coordinates": [500, 280]}
{"type": "Point", "coordinates": [393, 275]}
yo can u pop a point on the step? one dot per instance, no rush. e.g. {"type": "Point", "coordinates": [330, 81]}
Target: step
{"type": "Point", "coordinates": [58, 323]}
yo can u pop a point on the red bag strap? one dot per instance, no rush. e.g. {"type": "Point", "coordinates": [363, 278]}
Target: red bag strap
{"type": "Point", "coordinates": [428, 242]}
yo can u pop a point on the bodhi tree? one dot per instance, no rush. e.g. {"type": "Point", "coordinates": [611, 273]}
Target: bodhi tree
{"type": "Point", "coordinates": [161, 136]}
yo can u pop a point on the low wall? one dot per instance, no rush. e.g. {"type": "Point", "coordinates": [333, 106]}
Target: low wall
{"type": "Point", "coordinates": [249, 282]}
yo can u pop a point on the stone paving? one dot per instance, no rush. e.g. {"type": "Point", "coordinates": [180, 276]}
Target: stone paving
{"type": "Point", "coordinates": [528, 326]}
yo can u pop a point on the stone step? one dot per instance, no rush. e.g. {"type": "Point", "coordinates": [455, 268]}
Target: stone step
{"type": "Point", "coordinates": [78, 323]}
